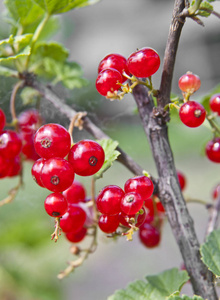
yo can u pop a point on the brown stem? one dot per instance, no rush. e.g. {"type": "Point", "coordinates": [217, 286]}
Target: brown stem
{"type": "Point", "coordinates": [214, 217]}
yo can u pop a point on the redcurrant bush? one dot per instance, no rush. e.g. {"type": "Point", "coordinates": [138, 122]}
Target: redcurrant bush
{"type": "Point", "coordinates": [192, 114]}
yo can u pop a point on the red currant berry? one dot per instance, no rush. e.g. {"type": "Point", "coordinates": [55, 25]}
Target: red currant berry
{"type": "Point", "coordinates": [143, 63]}
{"type": "Point", "coordinates": [76, 237]}
{"type": "Point", "coordinates": [36, 171]}
{"type": "Point", "coordinates": [149, 235]}
{"type": "Point", "coordinates": [2, 119]}
{"type": "Point", "coordinates": [192, 114]}
{"type": "Point", "coordinates": [57, 174]}
{"type": "Point", "coordinates": [29, 121]}
{"type": "Point", "coordinates": [124, 219]}
{"type": "Point", "coordinates": [86, 157]}
{"type": "Point", "coordinates": [189, 83]}
{"type": "Point", "coordinates": [55, 205]}
{"type": "Point", "coordinates": [14, 166]}
{"type": "Point", "coordinates": [52, 140]}
{"type": "Point", "coordinates": [214, 103]}
{"type": "Point", "coordinates": [10, 144]}
{"type": "Point", "coordinates": [216, 192]}
{"type": "Point", "coordinates": [108, 80]}
{"type": "Point", "coordinates": [141, 185]}
{"type": "Point", "coordinates": [74, 219]}
{"type": "Point", "coordinates": [3, 166]}
{"type": "Point", "coordinates": [131, 203]}
{"type": "Point", "coordinates": [108, 223]}
{"type": "Point", "coordinates": [109, 200]}
{"type": "Point", "coordinates": [114, 61]}
{"type": "Point", "coordinates": [213, 150]}
{"type": "Point", "coordinates": [75, 193]}
{"type": "Point", "coordinates": [28, 147]}
{"type": "Point", "coordinates": [182, 180]}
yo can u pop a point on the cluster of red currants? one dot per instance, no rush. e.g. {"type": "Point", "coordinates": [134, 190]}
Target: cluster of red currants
{"type": "Point", "coordinates": [52, 142]}
{"type": "Point", "coordinates": [16, 145]}
{"type": "Point", "coordinates": [193, 114]}
{"type": "Point", "coordinates": [115, 69]}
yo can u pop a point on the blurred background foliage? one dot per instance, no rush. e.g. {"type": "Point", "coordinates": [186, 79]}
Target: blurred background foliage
{"type": "Point", "coordinates": [29, 260]}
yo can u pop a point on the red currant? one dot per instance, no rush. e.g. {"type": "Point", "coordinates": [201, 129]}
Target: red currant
{"type": "Point", "coordinates": [114, 61]}
{"type": "Point", "coordinates": [14, 166]}
{"type": "Point", "coordinates": [108, 223]}
{"type": "Point", "coordinates": [143, 63]}
{"type": "Point", "coordinates": [149, 235]}
{"type": "Point", "coordinates": [75, 193]}
{"type": "Point", "coordinates": [36, 171]}
{"type": "Point", "coordinates": [213, 150]}
{"type": "Point", "coordinates": [3, 166]}
{"type": "Point", "coordinates": [140, 184]}
{"type": "Point", "coordinates": [182, 180]}
{"type": "Point", "coordinates": [192, 114]}
{"type": "Point", "coordinates": [76, 237]}
{"type": "Point", "coordinates": [52, 140]}
{"type": "Point", "coordinates": [131, 203]}
{"type": "Point", "coordinates": [57, 174]}
{"type": "Point", "coordinates": [124, 219]}
{"type": "Point", "coordinates": [189, 83]}
{"type": "Point", "coordinates": [10, 144]}
{"type": "Point", "coordinates": [55, 205]}
{"type": "Point", "coordinates": [109, 200]}
{"type": "Point", "coordinates": [2, 119]}
{"type": "Point", "coordinates": [86, 157]}
{"type": "Point", "coordinates": [29, 121]}
{"type": "Point", "coordinates": [214, 103]}
{"type": "Point", "coordinates": [74, 219]}
{"type": "Point", "coordinates": [28, 147]}
{"type": "Point", "coordinates": [216, 191]}
{"type": "Point", "coordinates": [108, 80]}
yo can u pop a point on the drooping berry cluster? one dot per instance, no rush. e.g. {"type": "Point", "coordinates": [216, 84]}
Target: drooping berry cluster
{"type": "Point", "coordinates": [53, 143]}
{"type": "Point", "coordinates": [114, 70]}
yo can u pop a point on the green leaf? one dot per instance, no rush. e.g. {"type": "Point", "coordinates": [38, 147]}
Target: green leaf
{"type": "Point", "coordinates": [111, 154]}
{"type": "Point", "coordinates": [24, 12]}
{"type": "Point", "coordinates": [29, 96]}
{"type": "Point", "coordinates": [18, 42]}
{"type": "Point", "coordinates": [8, 72]}
{"type": "Point", "coordinates": [210, 252]}
{"type": "Point", "coordinates": [206, 98]}
{"type": "Point", "coordinates": [25, 52]}
{"type": "Point", "coordinates": [205, 9]}
{"type": "Point", "coordinates": [158, 287]}
{"type": "Point", "coordinates": [61, 6]}
{"type": "Point", "coordinates": [53, 50]}
{"type": "Point", "coordinates": [184, 297]}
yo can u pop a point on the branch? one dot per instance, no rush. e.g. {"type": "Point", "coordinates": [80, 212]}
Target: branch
{"type": "Point", "coordinates": [88, 125]}
{"type": "Point", "coordinates": [214, 217]}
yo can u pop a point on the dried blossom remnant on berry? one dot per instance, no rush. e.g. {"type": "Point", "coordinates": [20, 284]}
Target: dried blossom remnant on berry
{"type": "Point", "coordinates": [93, 161]}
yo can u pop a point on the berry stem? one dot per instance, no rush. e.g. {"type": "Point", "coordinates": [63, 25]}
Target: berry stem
{"type": "Point", "coordinates": [57, 231]}
{"type": "Point", "coordinates": [216, 129]}
{"type": "Point", "coordinates": [77, 121]}
{"type": "Point", "coordinates": [13, 192]}
{"type": "Point", "coordinates": [214, 217]}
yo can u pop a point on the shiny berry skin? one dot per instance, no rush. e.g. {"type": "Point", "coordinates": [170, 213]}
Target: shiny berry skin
{"type": "Point", "coordinates": [141, 185]}
{"type": "Point", "coordinates": [108, 223]}
{"type": "Point", "coordinates": [182, 180]}
{"type": "Point", "coordinates": [3, 166]}
{"type": "Point", "coordinates": [131, 203]}
{"type": "Point", "coordinates": [10, 144]}
{"type": "Point", "coordinates": [109, 200]}
{"type": "Point", "coordinates": [14, 166]}
{"type": "Point", "coordinates": [28, 149]}
{"type": "Point", "coordinates": [213, 150]}
{"type": "Point", "coordinates": [36, 171]}
{"type": "Point", "coordinates": [143, 63]}
{"type": "Point", "coordinates": [57, 174]}
{"type": "Point", "coordinates": [55, 205]}
{"type": "Point", "coordinates": [149, 235]}
{"type": "Point", "coordinates": [86, 157]}
{"type": "Point", "coordinates": [189, 83]}
{"type": "Point", "coordinates": [76, 237]}
{"type": "Point", "coordinates": [108, 80]}
{"type": "Point", "coordinates": [52, 140]}
{"type": "Point", "coordinates": [192, 114]}
{"type": "Point", "coordinates": [124, 219]}
{"type": "Point", "coordinates": [2, 119]}
{"type": "Point", "coordinates": [74, 219]}
{"type": "Point", "coordinates": [29, 121]}
{"type": "Point", "coordinates": [75, 193]}
{"type": "Point", "coordinates": [214, 103]}
{"type": "Point", "coordinates": [114, 61]}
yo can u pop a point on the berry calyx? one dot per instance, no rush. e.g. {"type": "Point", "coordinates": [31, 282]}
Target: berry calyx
{"type": "Point", "coordinates": [140, 218]}
{"type": "Point", "coordinates": [131, 203]}
{"type": "Point", "coordinates": [214, 103]}
{"type": "Point", "coordinates": [108, 80]}
{"type": "Point", "coordinates": [141, 185]}
{"type": "Point", "coordinates": [143, 63]}
{"type": "Point", "coordinates": [213, 150]}
{"type": "Point", "coordinates": [114, 61]}
{"type": "Point", "coordinates": [55, 205]}
{"type": "Point", "coordinates": [109, 200]}
{"type": "Point", "coordinates": [189, 83]}
{"type": "Point", "coordinates": [192, 114]}
{"type": "Point", "coordinates": [86, 157]}
{"type": "Point", "coordinates": [52, 140]}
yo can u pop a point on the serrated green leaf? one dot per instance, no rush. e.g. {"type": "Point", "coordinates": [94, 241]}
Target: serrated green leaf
{"type": "Point", "coordinates": [25, 52]}
{"type": "Point", "coordinates": [184, 297]}
{"type": "Point", "coordinates": [24, 12]}
{"type": "Point", "coordinates": [18, 42]}
{"type": "Point", "coordinates": [158, 287]}
{"type": "Point", "coordinates": [4, 71]}
{"type": "Point", "coordinates": [205, 9]}
{"type": "Point", "coordinates": [169, 281]}
{"type": "Point", "coordinates": [210, 252]}
{"type": "Point", "coordinates": [111, 154]}
{"type": "Point", "coordinates": [29, 96]}
{"type": "Point", "coordinates": [53, 50]}
{"type": "Point", "coordinates": [61, 6]}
